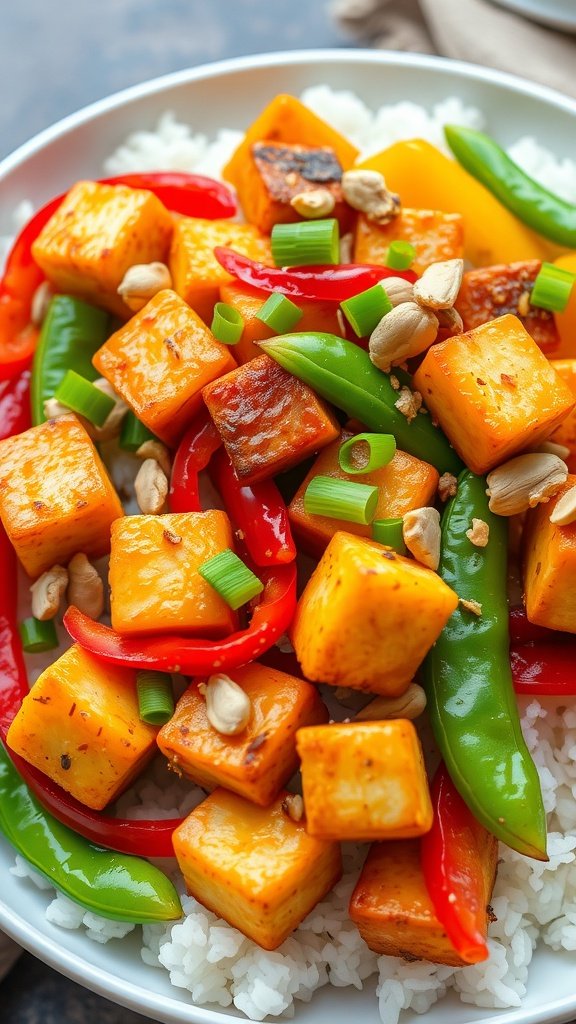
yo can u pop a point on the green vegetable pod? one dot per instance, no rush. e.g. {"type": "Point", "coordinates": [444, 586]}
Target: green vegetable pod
{"type": "Point", "coordinates": [113, 885]}
{"type": "Point", "coordinates": [471, 699]}
{"type": "Point", "coordinates": [344, 374]}
{"type": "Point", "coordinates": [71, 333]}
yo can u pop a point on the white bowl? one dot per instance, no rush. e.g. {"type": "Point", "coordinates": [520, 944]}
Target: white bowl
{"type": "Point", "coordinates": [230, 94]}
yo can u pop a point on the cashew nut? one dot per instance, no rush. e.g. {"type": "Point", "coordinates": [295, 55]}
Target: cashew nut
{"type": "Point", "coordinates": [156, 450]}
{"type": "Point", "coordinates": [85, 589]}
{"type": "Point", "coordinates": [316, 202]}
{"type": "Point", "coordinates": [228, 707]}
{"type": "Point", "coordinates": [40, 303]}
{"type": "Point", "coordinates": [398, 290]}
{"type": "Point", "coordinates": [293, 806]}
{"type": "Point", "coordinates": [151, 487]}
{"type": "Point", "coordinates": [47, 592]}
{"type": "Point", "coordinates": [410, 704]}
{"type": "Point", "coordinates": [406, 331]}
{"type": "Point", "coordinates": [366, 191]}
{"type": "Point", "coordinates": [421, 534]}
{"type": "Point", "coordinates": [142, 282]}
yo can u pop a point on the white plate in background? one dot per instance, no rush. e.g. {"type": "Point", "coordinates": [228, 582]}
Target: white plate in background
{"type": "Point", "coordinates": [230, 94]}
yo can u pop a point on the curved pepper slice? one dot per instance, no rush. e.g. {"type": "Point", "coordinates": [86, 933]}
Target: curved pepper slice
{"type": "Point", "coordinates": [452, 869]}
{"type": "Point", "coordinates": [190, 194]}
{"type": "Point", "coordinates": [14, 405]}
{"type": "Point", "coordinates": [110, 884]}
{"type": "Point", "coordinates": [258, 511]}
{"type": "Point", "coordinates": [545, 668]}
{"type": "Point", "coordinates": [469, 685]}
{"type": "Point", "coordinates": [325, 283]}
{"type": "Point", "coordinates": [194, 452]}
{"type": "Point", "coordinates": [270, 619]}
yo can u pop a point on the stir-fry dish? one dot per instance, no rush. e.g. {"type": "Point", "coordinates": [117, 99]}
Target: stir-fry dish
{"type": "Point", "coordinates": [350, 392]}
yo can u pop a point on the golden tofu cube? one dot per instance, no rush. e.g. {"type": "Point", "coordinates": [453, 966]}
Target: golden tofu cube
{"type": "Point", "coordinates": [391, 907]}
{"type": "Point", "coordinates": [493, 392]}
{"type": "Point", "coordinates": [196, 273]}
{"type": "Point", "coordinates": [367, 617]}
{"type": "Point", "coordinates": [97, 233]}
{"type": "Point", "coordinates": [55, 496]}
{"type": "Point", "coordinates": [261, 759]}
{"type": "Point", "coordinates": [550, 566]}
{"type": "Point", "coordinates": [154, 580]}
{"type": "Point", "coordinates": [435, 236]}
{"type": "Point", "coordinates": [254, 866]}
{"type": "Point", "coordinates": [160, 361]}
{"type": "Point", "coordinates": [364, 781]}
{"type": "Point", "coordinates": [80, 726]}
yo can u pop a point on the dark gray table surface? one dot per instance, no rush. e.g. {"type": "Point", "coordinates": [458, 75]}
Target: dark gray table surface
{"type": "Point", "coordinates": [55, 58]}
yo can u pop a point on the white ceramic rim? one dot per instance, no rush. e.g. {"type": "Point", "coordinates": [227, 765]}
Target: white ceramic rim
{"type": "Point", "coordinates": [98, 980]}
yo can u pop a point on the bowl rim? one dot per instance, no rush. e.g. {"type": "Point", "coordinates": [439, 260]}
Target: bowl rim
{"type": "Point", "coordinates": [98, 979]}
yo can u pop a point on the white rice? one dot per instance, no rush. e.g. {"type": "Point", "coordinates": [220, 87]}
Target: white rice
{"type": "Point", "coordinates": [533, 902]}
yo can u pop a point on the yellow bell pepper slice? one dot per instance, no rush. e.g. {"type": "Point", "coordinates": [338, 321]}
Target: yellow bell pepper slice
{"type": "Point", "coordinates": [427, 179]}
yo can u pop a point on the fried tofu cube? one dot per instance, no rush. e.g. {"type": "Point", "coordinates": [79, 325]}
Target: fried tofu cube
{"type": "Point", "coordinates": [80, 726]}
{"type": "Point", "coordinates": [267, 419]}
{"type": "Point", "coordinates": [160, 361]}
{"type": "Point", "coordinates": [254, 866]}
{"type": "Point", "coordinates": [154, 579]}
{"type": "Point", "coordinates": [364, 781]}
{"type": "Point", "coordinates": [404, 484]}
{"type": "Point", "coordinates": [493, 392]}
{"type": "Point", "coordinates": [391, 907]}
{"type": "Point", "coordinates": [566, 433]}
{"type": "Point", "coordinates": [367, 617]}
{"type": "Point", "coordinates": [490, 292]}
{"type": "Point", "coordinates": [55, 495]}
{"type": "Point", "coordinates": [435, 236]}
{"type": "Point", "coordinates": [316, 316]}
{"type": "Point", "coordinates": [276, 172]}
{"type": "Point", "coordinates": [285, 119]}
{"type": "Point", "coordinates": [258, 762]}
{"type": "Point", "coordinates": [97, 233]}
{"type": "Point", "coordinates": [550, 566]}
{"type": "Point", "coordinates": [196, 273]}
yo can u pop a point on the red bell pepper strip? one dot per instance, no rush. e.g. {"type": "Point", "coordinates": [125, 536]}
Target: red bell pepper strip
{"type": "Point", "coordinates": [522, 631]}
{"type": "Point", "coordinates": [194, 452]}
{"type": "Point", "coordinates": [453, 872]}
{"type": "Point", "coordinates": [190, 194]}
{"type": "Point", "coordinates": [14, 405]}
{"type": "Point", "coordinates": [547, 668]}
{"type": "Point", "coordinates": [258, 511]}
{"type": "Point", "coordinates": [147, 838]}
{"type": "Point", "coordinates": [324, 283]}
{"type": "Point", "coordinates": [173, 653]}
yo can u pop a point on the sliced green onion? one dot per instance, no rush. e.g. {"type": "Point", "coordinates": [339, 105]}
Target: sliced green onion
{"type": "Point", "coordinates": [364, 311]}
{"type": "Point", "coordinates": [306, 243]}
{"type": "Point", "coordinates": [381, 451]}
{"type": "Point", "coordinates": [82, 397]}
{"type": "Point", "coordinates": [401, 255]}
{"type": "Point", "coordinates": [230, 578]}
{"type": "Point", "coordinates": [133, 433]}
{"type": "Point", "coordinates": [155, 697]}
{"type": "Point", "coordinates": [341, 499]}
{"type": "Point", "coordinates": [279, 313]}
{"type": "Point", "coordinates": [389, 533]}
{"type": "Point", "coordinates": [552, 288]}
{"type": "Point", "coordinates": [38, 636]}
{"type": "Point", "coordinates": [227, 324]}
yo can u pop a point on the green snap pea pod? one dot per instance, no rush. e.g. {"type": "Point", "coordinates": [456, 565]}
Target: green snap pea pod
{"type": "Point", "coordinates": [344, 374]}
{"type": "Point", "coordinates": [534, 205]}
{"type": "Point", "coordinates": [113, 885]}
{"type": "Point", "coordinates": [469, 684]}
{"type": "Point", "coordinates": [71, 333]}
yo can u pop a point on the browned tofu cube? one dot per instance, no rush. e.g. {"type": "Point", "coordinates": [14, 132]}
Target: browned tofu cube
{"type": "Point", "coordinates": [55, 495]}
{"type": "Point", "coordinates": [160, 361]}
{"type": "Point", "coordinates": [80, 726]}
{"type": "Point", "coordinates": [392, 909]}
{"type": "Point", "coordinates": [435, 236]}
{"type": "Point", "coordinates": [274, 172]}
{"type": "Point", "coordinates": [489, 292]}
{"type": "Point", "coordinates": [364, 780]}
{"type": "Point", "coordinates": [257, 762]}
{"type": "Point", "coordinates": [267, 419]}
{"type": "Point", "coordinates": [96, 234]}
{"type": "Point", "coordinates": [254, 866]}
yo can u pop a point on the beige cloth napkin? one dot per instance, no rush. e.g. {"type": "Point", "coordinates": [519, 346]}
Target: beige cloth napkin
{"type": "Point", "coordinates": [472, 30]}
